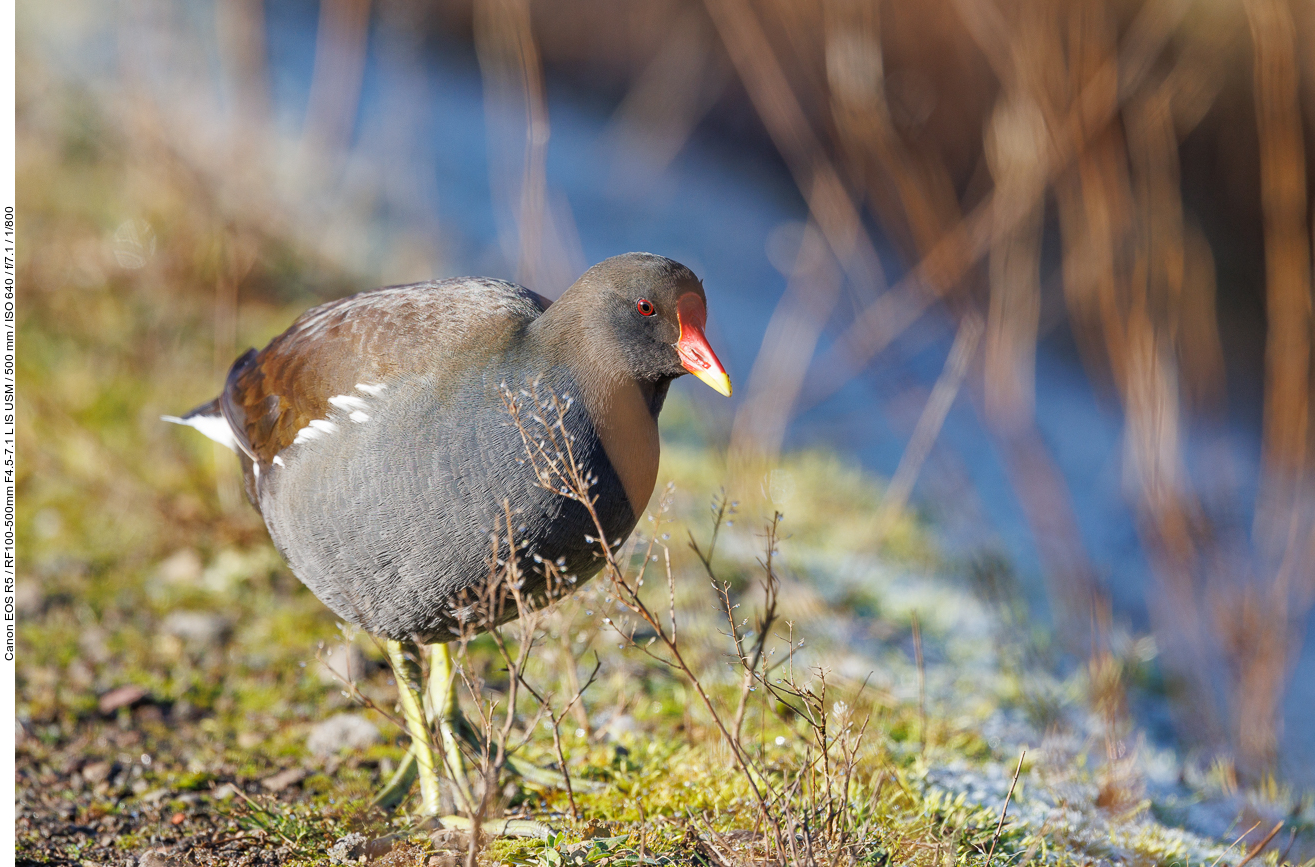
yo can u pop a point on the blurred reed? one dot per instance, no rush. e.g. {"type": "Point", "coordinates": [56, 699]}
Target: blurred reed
{"type": "Point", "coordinates": [977, 135]}
{"type": "Point", "coordinates": [1021, 157]}
{"type": "Point", "coordinates": [538, 234]}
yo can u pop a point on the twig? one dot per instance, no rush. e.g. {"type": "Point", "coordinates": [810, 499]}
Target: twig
{"type": "Point", "coordinates": [818, 830]}
{"type": "Point", "coordinates": [556, 720]}
{"type": "Point", "coordinates": [764, 626]}
{"type": "Point", "coordinates": [922, 685]}
{"type": "Point", "coordinates": [929, 424]}
{"type": "Point", "coordinates": [355, 693]}
{"type": "Point", "coordinates": [1259, 847]}
{"type": "Point", "coordinates": [552, 457]}
{"type": "Point", "coordinates": [1005, 809]}
{"type": "Point", "coordinates": [1292, 838]}
{"type": "Point", "coordinates": [1240, 838]}
{"type": "Point", "coordinates": [237, 790]}
{"type": "Point", "coordinates": [706, 846]}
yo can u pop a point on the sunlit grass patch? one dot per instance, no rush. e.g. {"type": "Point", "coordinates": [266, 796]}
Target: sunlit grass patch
{"type": "Point", "coordinates": [142, 565]}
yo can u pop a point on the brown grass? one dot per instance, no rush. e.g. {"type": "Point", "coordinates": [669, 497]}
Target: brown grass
{"type": "Point", "coordinates": [971, 132]}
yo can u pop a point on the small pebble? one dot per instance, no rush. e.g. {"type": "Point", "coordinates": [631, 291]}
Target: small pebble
{"type": "Point", "coordinates": [344, 731]}
{"type": "Point", "coordinates": [28, 597]}
{"type": "Point", "coordinates": [284, 779]}
{"type": "Point", "coordinates": [224, 792]}
{"type": "Point", "coordinates": [346, 850]}
{"type": "Point", "coordinates": [123, 696]}
{"type": "Point", "coordinates": [621, 726]}
{"type": "Point", "coordinates": [197, 627]}
{"type": "Point", "coordinates": [97, 772]}
{"type": "Point", "coordinates": [181, 567]}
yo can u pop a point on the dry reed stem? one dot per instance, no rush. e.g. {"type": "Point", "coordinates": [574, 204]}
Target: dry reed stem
{"type": "Point", "coordinates": [940, 269]}
{"type": "Point", "coordinates": [788, 344]}
{"type": "Point", "coordinates": [1113, 199]}
{"type": "Point", "coordinates": [1047, 504]}
{"type": "Point", "coordinates": [1279, 527]}
{"type": "Point", "coordinates": [668, 100]}
{"type": "Point", "coordinates": [546, 248]}
{"type": "Point", "coordinates": [1260, 847]}
{"type": "Point", "coordinates": [1005, 809]}
{"type": "Point", "coordinates": [923, 204]}
{"type": "Point", "coordinates": [240, 32]}
{"type": "Point", "coordinates": [340, 47]}
{"type": "Point", "coordinates": [1240, 838]}
{"type": "Point", "coordinates": [828, 199]}
{"type": "Point", "coordinates": [928, 427]}
{"type": "Point", "coordinates": [922, 683]}
{"type": "Point", "coordinates": [1015, 149]}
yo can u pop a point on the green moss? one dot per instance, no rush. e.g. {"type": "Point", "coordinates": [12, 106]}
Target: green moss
{"type": "Point", "coordinates": [126, 520]}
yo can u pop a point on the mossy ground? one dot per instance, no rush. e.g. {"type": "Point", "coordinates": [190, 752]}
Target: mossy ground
{"type": "Point", "coordinates": [126, 521]}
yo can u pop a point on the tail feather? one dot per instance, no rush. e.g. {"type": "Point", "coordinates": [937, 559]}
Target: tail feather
{"type": "Point", "coordinates": [209, 420]}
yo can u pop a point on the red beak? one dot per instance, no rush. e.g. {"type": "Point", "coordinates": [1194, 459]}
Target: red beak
{"type": "Point", "coordinates": [695, 354]}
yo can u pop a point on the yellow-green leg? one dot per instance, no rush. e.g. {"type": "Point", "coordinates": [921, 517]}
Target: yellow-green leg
{"type": "Point", "coordinates": [439, 708]}
{"type": "Point", "coordinates": [404, 656]}
{"type": "Point", "coordinates": [399, 784]}
{"type": "Point", "coordinates": [441, 703]}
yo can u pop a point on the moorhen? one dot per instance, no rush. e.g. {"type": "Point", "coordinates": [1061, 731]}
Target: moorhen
{"type": "Point", "coordinates": [379, 440]}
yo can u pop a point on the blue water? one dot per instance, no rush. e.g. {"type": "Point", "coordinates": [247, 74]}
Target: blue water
{"type": "Point", "coordinates": [422, 130]}
{"type": "Point", "coordinates": [714, 208]}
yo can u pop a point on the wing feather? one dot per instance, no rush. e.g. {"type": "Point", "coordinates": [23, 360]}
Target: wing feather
{"type": "Point", "coordinates": [357, 344]}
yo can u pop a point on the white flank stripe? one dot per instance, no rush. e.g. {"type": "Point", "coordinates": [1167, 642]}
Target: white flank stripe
{"type": "Point", "coordinates": [307, 434]}
{"type": "Point", "coordinates": [317, 427]}
{"type": "Point", "coordinates": [359, 417]}
{"type": "Point", "coordinates": [278, 461]}
{"type": "Point", "coordinates": [347, 401]}
{"type": "Point", "coordinates": [371, 389]}
{"type": "Point", "coordinates": [213, 426]}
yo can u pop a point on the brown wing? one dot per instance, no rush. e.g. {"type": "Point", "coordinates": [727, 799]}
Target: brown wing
{"type": "Point", "coordinates": [363, 342]}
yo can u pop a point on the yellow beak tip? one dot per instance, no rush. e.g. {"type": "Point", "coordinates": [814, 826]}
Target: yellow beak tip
{"type": "Point", "coordinates": [718, 382]}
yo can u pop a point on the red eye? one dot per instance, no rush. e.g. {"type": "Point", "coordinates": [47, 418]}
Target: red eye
{"type": "Point", "coordinates": [645, 307]}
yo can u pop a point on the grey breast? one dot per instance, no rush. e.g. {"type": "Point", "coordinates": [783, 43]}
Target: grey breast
{"type": "Point", "coordinates": [399, 522]}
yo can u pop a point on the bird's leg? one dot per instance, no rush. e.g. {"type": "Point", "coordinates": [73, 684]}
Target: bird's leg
{"type": "Point", "coordinates": [404, 656]}
{"type": "Point", "coordinates": [439, 706]}
{"type": "Point", "coordinates": [401, 782]}
{"type": "Point", "coordinates": [441, 697]}
{"type": "Point", "coordinates": [441, 702]}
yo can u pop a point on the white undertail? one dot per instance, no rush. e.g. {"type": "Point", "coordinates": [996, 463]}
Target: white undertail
{"type": "Point", "coordinates": [213, 426]}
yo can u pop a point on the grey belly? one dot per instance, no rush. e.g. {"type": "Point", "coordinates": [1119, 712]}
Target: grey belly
{"type": "Point", "coordinates": [404, 534]}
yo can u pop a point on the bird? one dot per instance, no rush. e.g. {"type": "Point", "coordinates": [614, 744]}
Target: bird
{"type": "Point", "coordinates": [383, 439]}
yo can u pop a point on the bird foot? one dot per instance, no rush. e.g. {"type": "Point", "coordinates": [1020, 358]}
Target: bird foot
{"type": "Point", "coordinates": [404, 779]}
{"type": "Point", "coordinates": [438, 763]}
{"type": "Point", "coordinates": [500, 827]}
{"type": "Point", "coordinates": [546, 778]}
{"type": "Point", "coordinates": [399, 784]}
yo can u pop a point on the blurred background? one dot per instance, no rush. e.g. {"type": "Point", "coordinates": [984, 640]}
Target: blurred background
{"type": "Point", "coordinates": [1046, 266]}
